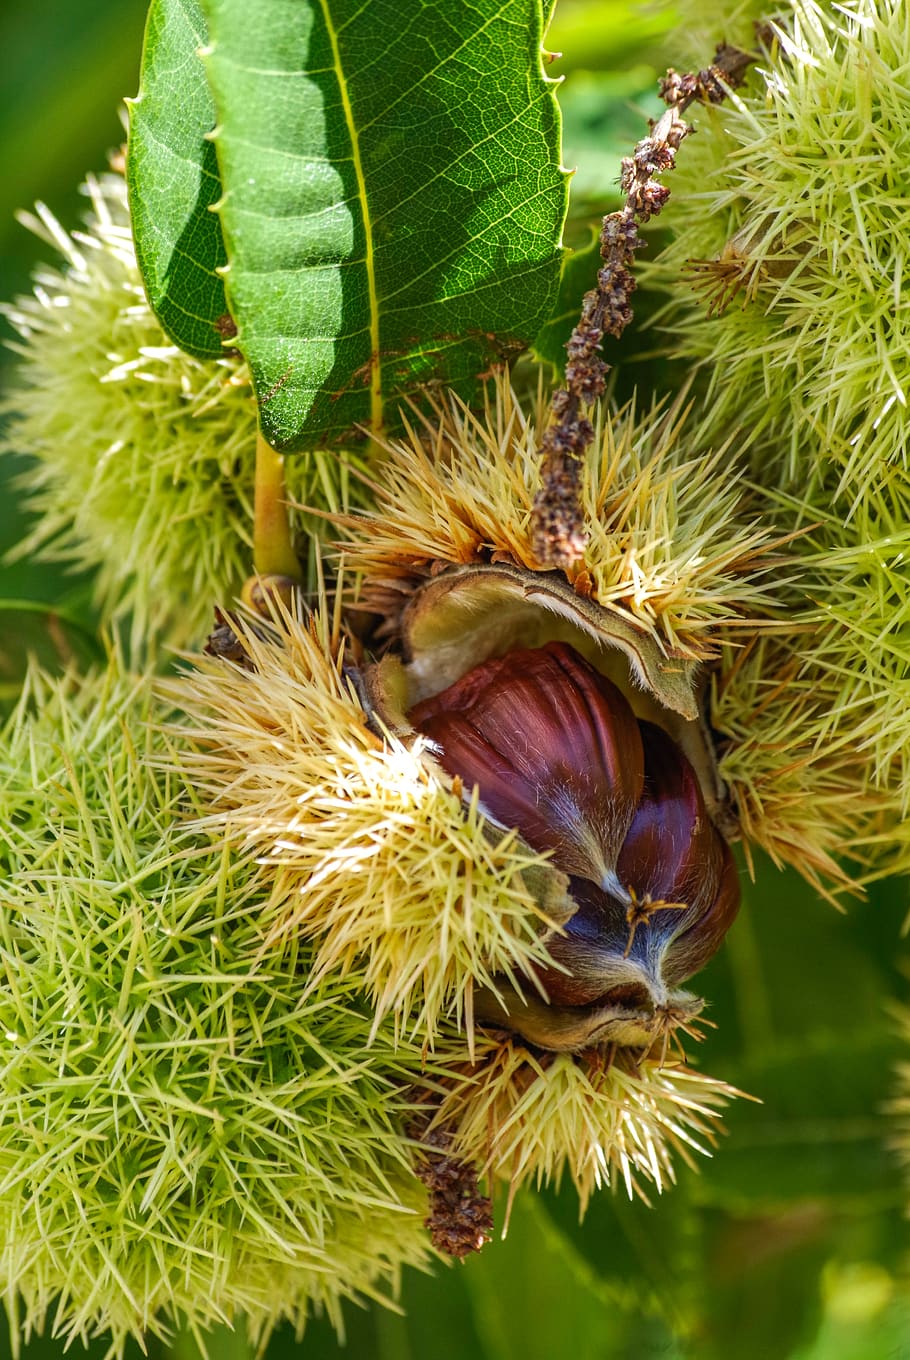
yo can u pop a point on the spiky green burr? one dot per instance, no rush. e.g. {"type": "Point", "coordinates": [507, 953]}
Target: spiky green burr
{"type": "Point", "coordinates": [787, 272]}
{"type": "Point", "coordinates": [189, 1128]}
{"type": "Point", "coordinates": [140, 458]}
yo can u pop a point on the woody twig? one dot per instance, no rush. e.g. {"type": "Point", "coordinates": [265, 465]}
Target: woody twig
{"type": "Point", "coordinates": [557, 518]}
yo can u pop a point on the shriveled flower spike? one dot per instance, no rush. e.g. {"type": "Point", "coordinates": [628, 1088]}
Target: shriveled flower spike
{"type": "Point", "coordinates": [559, 529]}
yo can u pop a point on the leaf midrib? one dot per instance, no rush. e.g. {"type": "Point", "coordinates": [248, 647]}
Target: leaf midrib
{"type": "Point", "coordinates": [376, 421]}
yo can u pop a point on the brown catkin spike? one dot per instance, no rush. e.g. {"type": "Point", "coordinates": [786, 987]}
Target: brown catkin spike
{"type": "Point", "coordinates": [460, 1219]}
{"type": "Point", "coordinates": [558, 528]}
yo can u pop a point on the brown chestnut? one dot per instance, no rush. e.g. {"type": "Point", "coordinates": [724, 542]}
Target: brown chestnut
{"type": "Point", "coordinates": [556, 751]}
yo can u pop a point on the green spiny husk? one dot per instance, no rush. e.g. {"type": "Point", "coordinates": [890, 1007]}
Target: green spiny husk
{"type": "Point", "coordinates": [140, 458]}
{"type": "Point", "coordinates": [186, 1129]}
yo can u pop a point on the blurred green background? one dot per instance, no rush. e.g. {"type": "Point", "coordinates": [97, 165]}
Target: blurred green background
{"type": "Point", "coordinates": [791, 1244]}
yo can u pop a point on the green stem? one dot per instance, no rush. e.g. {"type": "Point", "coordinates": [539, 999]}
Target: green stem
{"type": "Point", "coordinates": [273, 548]}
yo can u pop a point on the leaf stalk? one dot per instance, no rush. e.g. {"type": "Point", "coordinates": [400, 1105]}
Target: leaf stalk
{"type": "Point", "coordinates": [273, 545]}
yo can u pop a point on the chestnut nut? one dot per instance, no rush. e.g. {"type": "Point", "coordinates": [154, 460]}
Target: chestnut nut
{"type": "Point", "coordinates": [557, 752]}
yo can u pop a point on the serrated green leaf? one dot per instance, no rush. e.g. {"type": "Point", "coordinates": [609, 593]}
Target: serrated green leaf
{"type": "Point", "coordinates": [761, 1295]}
{"type": "Point", "coordinates": [519, 1291]}
{"type": "Point", "coordinates": [579, 274]}
{"type": "Point", "coordinates": [819, 1134]}
{"type": "Point", "coordinates": [646, 1253]}
{"type": "Point", "coordinates": [393, 198]}
{"type": "Point", "coordinates": [172, 174]}
{"type": "Point", "coordinates": [33, 630]}
{"type": "Point", "coordinates": [847, 1336]}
